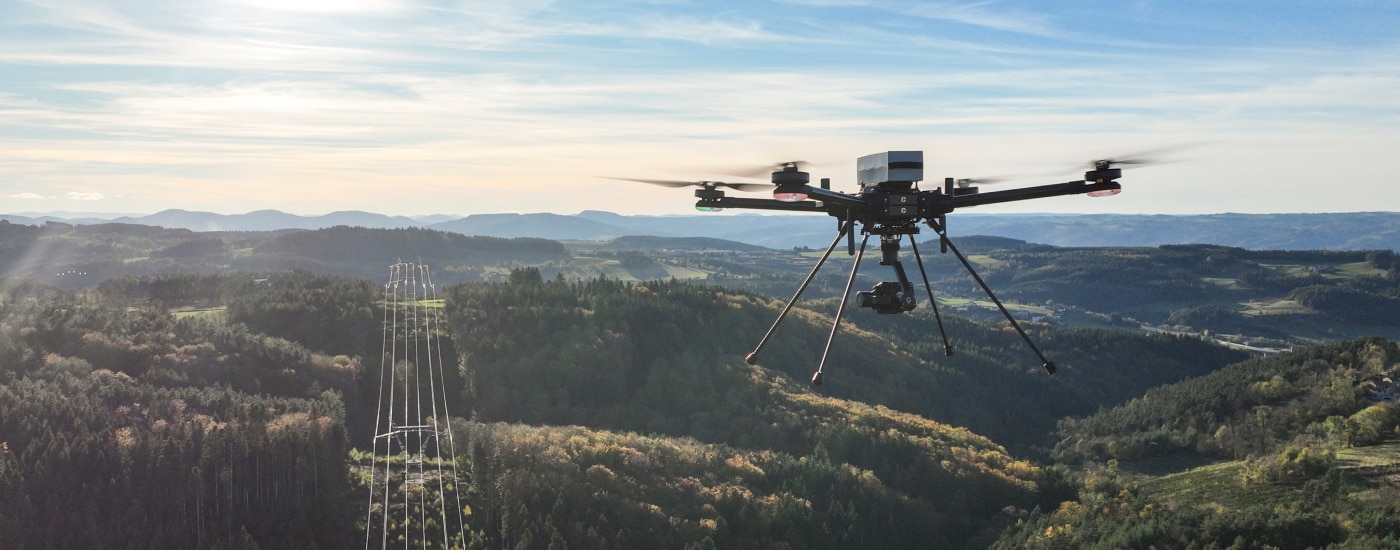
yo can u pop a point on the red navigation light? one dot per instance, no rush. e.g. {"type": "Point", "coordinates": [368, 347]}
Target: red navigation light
{"type": "Point", "coordinates": [790, 192]}
{"type": "Point", "coordinates": [1104, 193]}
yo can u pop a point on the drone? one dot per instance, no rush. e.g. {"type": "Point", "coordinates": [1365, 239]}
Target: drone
{"type": "Point", "coordinates": [891, 206]}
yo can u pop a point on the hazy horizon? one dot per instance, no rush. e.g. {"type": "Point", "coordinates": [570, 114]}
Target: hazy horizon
{"type": "Point", "coordinates": [733, 212]}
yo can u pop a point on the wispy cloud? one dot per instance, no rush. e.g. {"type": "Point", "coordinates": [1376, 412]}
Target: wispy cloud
{"type": "Point", "coordinates": [704, 30]}
{"type": "Point", "coordinates": [990, 15]}
{"type": "Point", "coordinates": [999, 16]}
{"type": "Point", "coordinates": [78, 196]}
{"type": "Point", "coordinates": [321, 6]}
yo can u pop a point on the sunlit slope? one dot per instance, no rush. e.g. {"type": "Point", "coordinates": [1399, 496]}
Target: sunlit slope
{"type": "Point", "coordinates": [599, 489]}
{"type": "Point", "coordinates": [1294, 451]}
{"type": "Point", "coordinates": [1248, 408]}
{"type": "Point", "coordinates": [665, 357]}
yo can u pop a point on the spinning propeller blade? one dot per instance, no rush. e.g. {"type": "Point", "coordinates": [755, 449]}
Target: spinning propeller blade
{"type": "Point", "coordinates": [1141, 158]}
{"type": "Point", "coordinates": [700, 183]}
{"type": "Point", "coordinates": [965, 182]}
{"type": "Point", "coordinates": [1123, 161]}
{"type": "Point", "coordinates": [764, 170]}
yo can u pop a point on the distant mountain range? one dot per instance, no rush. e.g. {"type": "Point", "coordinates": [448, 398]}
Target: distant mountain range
{"type": "Point", "coordinates": [1337, 231]}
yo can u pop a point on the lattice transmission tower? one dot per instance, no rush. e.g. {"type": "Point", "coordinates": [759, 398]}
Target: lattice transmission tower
{"type": "Point", "coordinates": [414, 483]}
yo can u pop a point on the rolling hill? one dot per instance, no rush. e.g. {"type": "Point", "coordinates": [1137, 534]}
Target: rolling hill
{"type": "Point", "coordinates": [630, 401]}
{"type": "Point", "coordinates": [1297, 450]}
{"type": "Point", "coordinates": [1331, 231]}
{"type": "Point", "coordinates": [1260, 298]}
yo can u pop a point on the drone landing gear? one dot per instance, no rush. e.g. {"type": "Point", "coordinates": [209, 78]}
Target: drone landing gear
{"type": "Point", "coordinates": [844, 231]}
{"type": "Point", "coordinates": [945, 242]}
{"type": "Point", "coordinates": [888, 297]}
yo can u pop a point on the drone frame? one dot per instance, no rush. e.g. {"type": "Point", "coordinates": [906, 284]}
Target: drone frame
{"type": "Point", "coordinates": [890, 205]}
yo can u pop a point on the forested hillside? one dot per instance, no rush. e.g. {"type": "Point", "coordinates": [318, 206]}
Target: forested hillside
{"type": "Point", "coordinates": [1249, 408]}
{"type": "Point", "coordinates": [1298, 451]}
{"type": "Point", "coordinates": [662, 356]}
{"type": "Point", "coordinates": [653, 358]}
{"type": "Point", "coordinates": [1270, 299]}
{"type": "Point", "coordinates": [1284, 296]}
{"type": "Point", "coordinates": [538, 486]}
{"type": "Point", "coordinates": [116, 387]}
{"type": "Point", "coordinates": [131, 429]}
{"type": "Point", "coordinates": [83, 256]}
{"type": "Point", "coordinates": [353, 250]}
{"type": "Point", "coordinates": [127, 406]}
{"type": "Point", "coordinates": [223, 410]}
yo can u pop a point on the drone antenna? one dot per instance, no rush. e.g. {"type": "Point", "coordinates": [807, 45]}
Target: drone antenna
{"type": "Point", "coordinates": [947, 348]}
{"type": "Point", "coordinates": [1049, 365]}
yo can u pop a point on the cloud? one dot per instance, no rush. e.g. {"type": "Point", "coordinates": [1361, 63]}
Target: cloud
{"type": "Point", "coordinates": [322, 6]}
{"type": "Point", "coordinates": [703, 30]}
{"type": "Point", "coordinates": [78, 196]}
{"type": "Point", "coordinates": [985, 14]}
{"type": "Point", "coordinates": [148, 34]}
{"type": "Point", "coordinates": [26, 196]}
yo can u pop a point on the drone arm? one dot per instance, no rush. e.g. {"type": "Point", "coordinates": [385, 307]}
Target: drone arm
{"type": "Point", "coordinates": [1026, 193]}
{"type": "Point", "coordinates": [828, 200]}
{"type": "Point", "coordinates": [832, 198]}
{"type": "Point", "coordinates": [760, 204]}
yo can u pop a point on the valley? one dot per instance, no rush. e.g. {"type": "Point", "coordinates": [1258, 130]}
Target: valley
{"type": "Point", "coordinates": [605, 400]}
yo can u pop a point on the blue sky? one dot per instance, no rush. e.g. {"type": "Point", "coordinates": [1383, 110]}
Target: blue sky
{"type": "Point", "coordinates": [474, 106]}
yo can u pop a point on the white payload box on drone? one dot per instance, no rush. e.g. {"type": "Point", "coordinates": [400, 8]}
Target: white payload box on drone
{"type": "Point", "coordinates": [890, 167]}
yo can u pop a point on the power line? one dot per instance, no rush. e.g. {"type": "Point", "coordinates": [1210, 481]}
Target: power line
{"type": "Point", "coordinates": [419, 466]}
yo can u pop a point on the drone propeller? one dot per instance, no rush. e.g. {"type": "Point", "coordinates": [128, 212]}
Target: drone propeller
{"type": "Point", "coordinates": [766, 169]}
{"type": "Point", "coordinates": [701, 183]}
{"type": "Point", "coordinates": [1140, 158]}
{"type": "Point", "coordinates": [965, 182]}
{"type": "Point", "coordinates": [1100, 164]}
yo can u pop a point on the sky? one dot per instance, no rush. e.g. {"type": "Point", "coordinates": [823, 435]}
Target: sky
{"type": "Point", "coordinates": [416, 107]}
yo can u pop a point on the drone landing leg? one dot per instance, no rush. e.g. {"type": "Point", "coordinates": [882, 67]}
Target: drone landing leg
{"type": "Point", "coordinates": [1049, 366]}
{"type": "Point", "coordinates": [817, 378]}
{"type": "Point", "coordinates": [842, 232]}
{"type": "Point", "coordinates": [947, 348]}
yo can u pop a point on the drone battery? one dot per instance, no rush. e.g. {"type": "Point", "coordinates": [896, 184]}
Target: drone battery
{"type": "Point", "coordinates": [890, 166]}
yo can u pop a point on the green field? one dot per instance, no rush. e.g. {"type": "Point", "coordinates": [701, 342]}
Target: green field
{"type": "Point", "coordinates": [1214, 485]}
{"type": "Point", "coordinates": [1383, 455]}
{"type": "Point", "coordinates": [1275, 307]}
{"type": "Point", "coordinates": [1332, 271]}
{"type": "Point", "coordinates": [185, 313]}
{"type": "Point", "coordinates": [1222, 484]}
